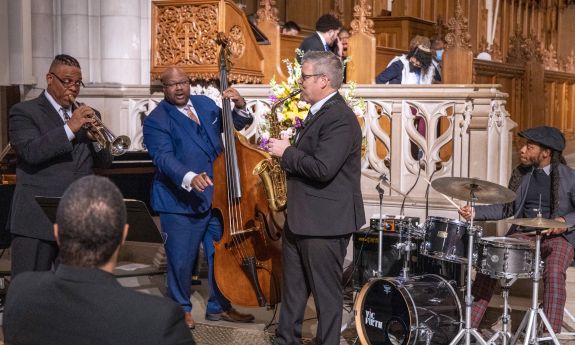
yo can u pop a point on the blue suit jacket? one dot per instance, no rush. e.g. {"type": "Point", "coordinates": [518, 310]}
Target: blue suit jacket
{"type": "Point", "coordinates": [176, 148]}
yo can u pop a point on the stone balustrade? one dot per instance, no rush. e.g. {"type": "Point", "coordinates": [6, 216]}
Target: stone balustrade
{"type": "Point", "coordinates": [467, 134]}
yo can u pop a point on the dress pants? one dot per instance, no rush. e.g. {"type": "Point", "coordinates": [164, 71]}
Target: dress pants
{"type": "Point", "coordinates": [311, 265]}
{"type": "Point", "coordinates": [557, 254]}
{"type": "Point", "coordinates": [32, 254]}
{"type": "Point", "coordinates": [182, 237]}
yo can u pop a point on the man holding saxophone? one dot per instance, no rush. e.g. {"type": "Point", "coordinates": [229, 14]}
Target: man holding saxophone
{"type": "Point", "coordinates": [54, 149]}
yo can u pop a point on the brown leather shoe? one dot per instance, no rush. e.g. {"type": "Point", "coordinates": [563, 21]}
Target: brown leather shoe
{"type": "Point", "coordinates": [230, 315]}
{"type": "Point", "coordinates": [190, 320]}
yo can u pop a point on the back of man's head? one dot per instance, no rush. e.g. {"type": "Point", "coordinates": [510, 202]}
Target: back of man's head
{"type": "Point", "coordinates": [327, 22]}
{"type": "Point", "coordinates": [91, 217]}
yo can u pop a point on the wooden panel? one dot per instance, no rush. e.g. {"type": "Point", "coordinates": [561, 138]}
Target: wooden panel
{"type": "Point", "coordinates": [184, 32]}
{"type": "Point", "coordinates": [396, 32]}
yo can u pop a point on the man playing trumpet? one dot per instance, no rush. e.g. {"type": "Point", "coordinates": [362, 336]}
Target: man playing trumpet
{"type": "Point", "coordinates": [53, 149]}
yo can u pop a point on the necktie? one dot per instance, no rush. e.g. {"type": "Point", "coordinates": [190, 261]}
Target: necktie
{"type": "Point", "coordinates": [326, 47]}
{"type": "Point", "coordinates": [65, 113]}
{"type": "Point", "coordinates": [192, 115]}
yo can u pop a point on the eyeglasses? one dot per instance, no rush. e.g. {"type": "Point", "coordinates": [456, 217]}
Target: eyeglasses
{"type": "Point", "coordinates": [304, 76]}
{"type": "Point", "coordinates": [67, 83]}
{"type": "Point", "coordinates": [181, 83]}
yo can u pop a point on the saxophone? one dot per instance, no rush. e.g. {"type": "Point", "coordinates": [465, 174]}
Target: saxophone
{"type": "Point", "coordinates": [269, 170]}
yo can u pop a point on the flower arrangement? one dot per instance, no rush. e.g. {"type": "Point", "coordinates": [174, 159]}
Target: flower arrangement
{"type": "Point", "coordinates": [292, 113]}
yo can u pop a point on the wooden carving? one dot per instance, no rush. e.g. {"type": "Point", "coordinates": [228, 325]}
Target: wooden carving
{"type": "Point", "coordinates": [186, 35]}
{"type": "Point", "coordinates": [458, 34]}
{"type": "Point", "coordinates": [268, 11]}
{"type": "Point", "coordinates": [361, 23]}
{"type": "Point", "coordinates": [523, 49]}
{"type": "Point", "coordinates": [549, 56]}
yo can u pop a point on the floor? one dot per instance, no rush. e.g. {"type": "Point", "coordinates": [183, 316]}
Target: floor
{"type": "Point", "coordinates": [261, 331]}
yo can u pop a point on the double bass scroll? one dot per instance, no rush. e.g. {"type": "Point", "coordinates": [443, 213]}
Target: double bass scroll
{"type": "Point", "coordinates": [247, 260]}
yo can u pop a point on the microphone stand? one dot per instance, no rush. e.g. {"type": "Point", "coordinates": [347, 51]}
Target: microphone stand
{"type": "Point", "coordinates": [407, 247]}
{"type": "Point", "coordinates": [380, 228]}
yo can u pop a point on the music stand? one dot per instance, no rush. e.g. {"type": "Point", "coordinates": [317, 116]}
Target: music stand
{"type": "Point", "coordinates": [142, 226]}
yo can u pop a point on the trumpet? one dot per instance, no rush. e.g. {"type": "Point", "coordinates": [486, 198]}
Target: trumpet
{"type": "Point", "coordinates": [117, 145]}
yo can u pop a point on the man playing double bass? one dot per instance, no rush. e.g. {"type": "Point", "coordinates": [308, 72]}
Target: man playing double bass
{"type": "Point", "coordinates": [183, 137]}
{"type": "Point", "coordinates": [324, 204]}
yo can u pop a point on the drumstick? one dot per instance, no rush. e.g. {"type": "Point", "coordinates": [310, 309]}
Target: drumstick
{"type": "Point", "coordinates": [445, 196]}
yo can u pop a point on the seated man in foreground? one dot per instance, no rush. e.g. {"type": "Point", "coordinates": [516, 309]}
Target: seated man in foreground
{"type": "Point", "coordinates": [81, 302]}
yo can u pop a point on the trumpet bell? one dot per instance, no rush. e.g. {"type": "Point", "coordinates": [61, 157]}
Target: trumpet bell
{"type": "Point", "coordinates": [120, 145]}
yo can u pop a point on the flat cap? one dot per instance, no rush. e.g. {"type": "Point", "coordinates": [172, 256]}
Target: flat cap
{"type": "Point", "coordinates": [549, 137]}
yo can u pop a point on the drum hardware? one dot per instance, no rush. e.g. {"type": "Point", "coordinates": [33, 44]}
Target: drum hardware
{"type": "Point", "coordinates": [504, 333]}
{"type": "Point", "coordinates": [529, 322]}
{"type": "Point", "coordinates": [471, 190]}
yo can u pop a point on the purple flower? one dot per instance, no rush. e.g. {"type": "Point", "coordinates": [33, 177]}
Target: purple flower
{"type": "Point", "coordinates": [298, 123]}
{"type": "Point", "coordinates": [264, 143]}
{"type": "Point", "coordinates": [273, 98]}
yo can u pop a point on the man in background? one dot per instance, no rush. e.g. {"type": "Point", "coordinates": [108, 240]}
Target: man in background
{"type": "Point", "coordinates": [325, 38]}
{"type": "Point", "coordinates": [81, 302]}
{"type": "Point", "coordinates": [291, 28]}
{"type": "Point", "coordinates": [53, 149]}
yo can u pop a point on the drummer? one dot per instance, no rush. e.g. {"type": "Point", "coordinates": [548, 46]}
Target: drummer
{"type": "Point", "coordinates": [541, 181]}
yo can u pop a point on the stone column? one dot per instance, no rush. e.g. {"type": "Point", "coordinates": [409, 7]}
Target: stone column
{"type": "Point", "coordinates": [121, 41]}
{"type": "Point", "coordinates": [43, 39]}
{"type": "Point", "coordinates": [75, 33]}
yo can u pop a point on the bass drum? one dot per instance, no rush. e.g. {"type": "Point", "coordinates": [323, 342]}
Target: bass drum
{"type": "Point", "coordinates": [420, 310]}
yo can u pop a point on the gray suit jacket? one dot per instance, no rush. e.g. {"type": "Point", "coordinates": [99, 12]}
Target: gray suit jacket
{"type": "Point", "coordinates": [566, 201]}
{"type": "Point", "coordinates": [47, 163]}
{"type": "Point", "coordinates": [323, 173]}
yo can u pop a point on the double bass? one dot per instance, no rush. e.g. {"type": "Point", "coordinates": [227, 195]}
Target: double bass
{"type": "Point", "coordinates": [247, 260]}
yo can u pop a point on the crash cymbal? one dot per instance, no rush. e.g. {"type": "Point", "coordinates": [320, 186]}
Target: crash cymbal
{"type": "Point", "coordinates": [538, 222]}
{"type": "Point", "coordinates": [485, 192]}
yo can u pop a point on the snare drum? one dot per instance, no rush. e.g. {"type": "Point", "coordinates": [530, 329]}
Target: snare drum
{"type": "Point", "coordinates": [445, 239]}
{"type": "Point", "coordinates": [421, 310]}
{"type": "Point", "coordinates": [505, 257]}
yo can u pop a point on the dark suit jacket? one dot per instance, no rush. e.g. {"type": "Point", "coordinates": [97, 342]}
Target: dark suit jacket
{"type": "Point", "coordinates": [313, 42]}
{"type": "Point", "coordinates": [47, 163]}
{"type": "Point", "coordinates": [566, 201]}
{"type": "Point", "coordinates": [323, 173]}
{"type": "Point", "coordinates": [77, 305]}
{"type": "Point", "coordinates": [176, 148]}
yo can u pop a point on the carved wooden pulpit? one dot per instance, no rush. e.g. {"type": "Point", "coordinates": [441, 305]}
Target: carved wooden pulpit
{"type": "Point", "coordinates": [184, 35]}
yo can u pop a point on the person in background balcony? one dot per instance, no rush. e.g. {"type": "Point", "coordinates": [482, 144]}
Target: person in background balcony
{"type": "Point", "coordinates": [414, 67]}
{"type": "Point", "coordinates": [291, 28]}
{"type": "Point", "coordinates": [325, 38]}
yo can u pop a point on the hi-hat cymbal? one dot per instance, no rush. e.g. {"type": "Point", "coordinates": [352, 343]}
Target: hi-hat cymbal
{"type": "Point", "coordinates": [484, 192]}
{"type": "Point", "coordinates": [539, 223]}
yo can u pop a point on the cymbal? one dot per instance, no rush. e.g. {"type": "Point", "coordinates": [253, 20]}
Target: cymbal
{"type": "Point", "coordinates": [485, 192]}
{"type": "Point", "coordinates": [538, 222]}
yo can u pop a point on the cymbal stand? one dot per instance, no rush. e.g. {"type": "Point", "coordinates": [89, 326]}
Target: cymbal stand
{"type": "Point", "coordinates": [529, 322]}
{"type": "Point", "coordinates": [504, 333]}
{"type": "Point", "coordinates": [468, 331]}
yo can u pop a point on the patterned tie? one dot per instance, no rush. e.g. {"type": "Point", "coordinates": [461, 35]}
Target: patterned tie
{"type": "Point", "coordinates": [66, 116]}
{"type": "Point", "coordinates": [191, 114]}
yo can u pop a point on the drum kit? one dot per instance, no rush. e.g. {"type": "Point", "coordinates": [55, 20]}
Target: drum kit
{"type": "Point", "coordinates": [426, 308]}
